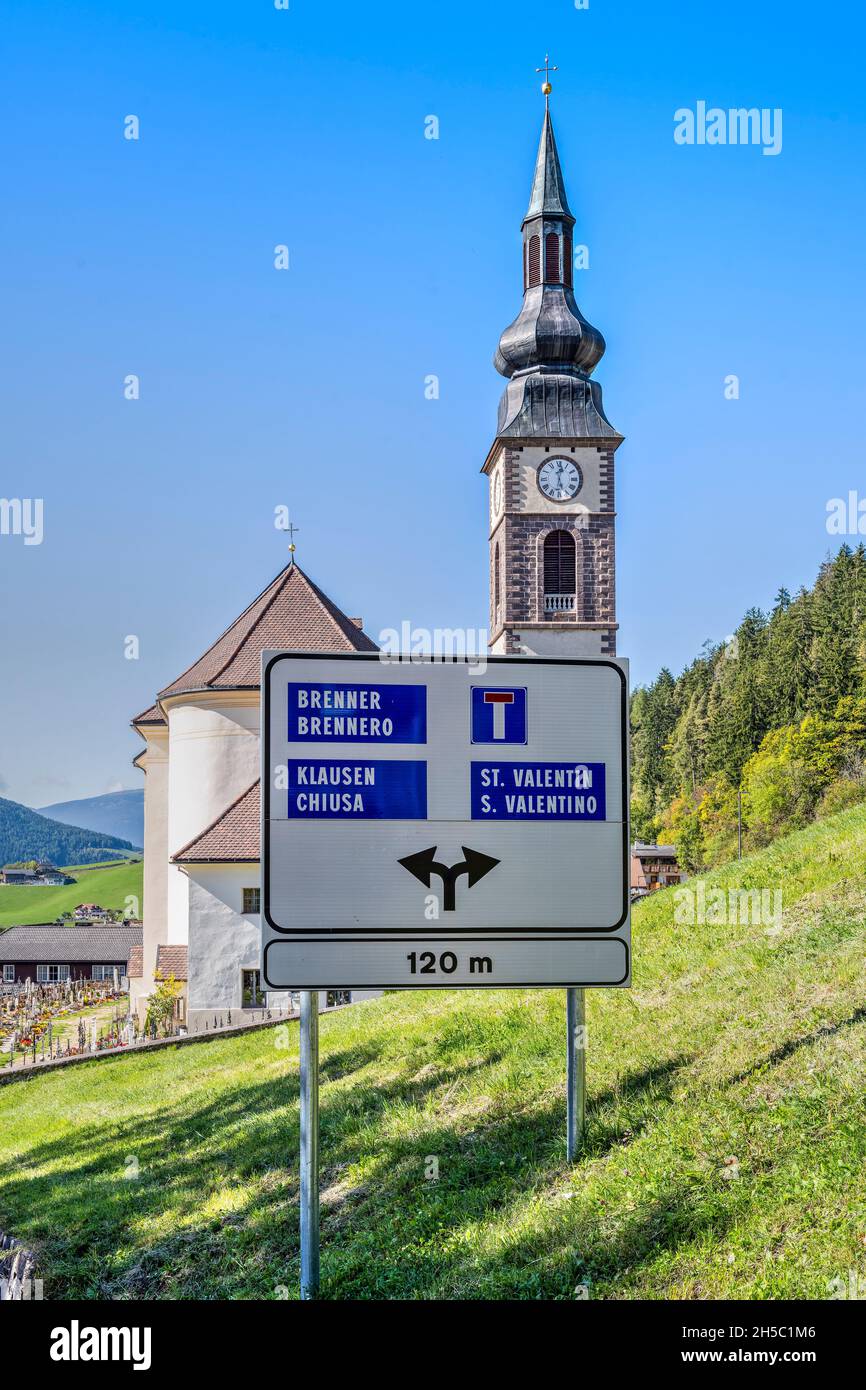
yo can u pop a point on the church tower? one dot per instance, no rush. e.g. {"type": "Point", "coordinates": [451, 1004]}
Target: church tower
{"type": "Point", "coordinates": [551, 466]}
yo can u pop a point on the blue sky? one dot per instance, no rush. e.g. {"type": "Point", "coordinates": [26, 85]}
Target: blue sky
{"type": "Point", "coordinates": [306, 387]}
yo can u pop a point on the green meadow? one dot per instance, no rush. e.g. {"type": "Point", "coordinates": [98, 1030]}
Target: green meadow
{"type": "Point", "coordinates": [107, 887]}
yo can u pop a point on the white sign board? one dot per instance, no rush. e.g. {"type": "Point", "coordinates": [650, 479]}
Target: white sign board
{"type": "Point", "coordinates": [444, 824]}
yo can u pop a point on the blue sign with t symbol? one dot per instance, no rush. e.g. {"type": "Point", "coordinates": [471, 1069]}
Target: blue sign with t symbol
{"type": "Point", "coordinates": [498, 714]}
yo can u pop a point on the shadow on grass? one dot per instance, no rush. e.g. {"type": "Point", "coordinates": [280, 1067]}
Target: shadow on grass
{"type": "Point", "coordinates": [335, 1065]}
{"type": "Point", "coordinates": [653, 1084]}
{"type": "Point", "coordinates": [197, 1200]}
{"type": "Point", "coordinates": [793, 1045]}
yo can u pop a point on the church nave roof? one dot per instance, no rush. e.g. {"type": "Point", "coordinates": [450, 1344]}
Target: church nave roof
{"type": "Point", "coordinates": [292, 612]}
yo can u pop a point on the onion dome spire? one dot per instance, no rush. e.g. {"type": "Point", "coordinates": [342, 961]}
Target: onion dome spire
{"type": "Point", "coordinates": [550, 350]}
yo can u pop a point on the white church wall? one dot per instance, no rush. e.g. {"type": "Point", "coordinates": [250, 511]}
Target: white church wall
{"type": "Point", "coordinates": [154, 764]}
{"type": "Point", "coordinates": [223, 941]}
{"type": "Point", "coordinates": [213, 758]}
{"type": "Point", "coordinates": [214, 755]}
{"type": "Point", "coordinates": [177, 906]}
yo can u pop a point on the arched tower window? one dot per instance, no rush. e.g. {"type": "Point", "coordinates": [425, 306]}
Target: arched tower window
{"type": "Point", "coordinates": [534, 260]}
{"type": "Point", "coordinates": [560, 572]}
{"type": "Point", "coordinates": [497, 592]}
{"type": "Point", "coordinates": [568, 258]}
{"type": "Point", "coordinates": [551, 258]}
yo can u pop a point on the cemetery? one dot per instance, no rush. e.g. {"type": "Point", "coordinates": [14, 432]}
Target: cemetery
{"type": "Point", "coordinates": [39, 1022]}
{"type": "Point", "coordinates": [86, 1019]}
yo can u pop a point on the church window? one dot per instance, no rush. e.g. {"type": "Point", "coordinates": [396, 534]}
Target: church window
{"type": "Point", "coordinates": [497, 595]}
{"type": "Point", "coordinates": [252, 900]}
{"type": "Point", "coordinates": [568, 259]}
{"type": "Point", "coordinates": [535, 260]}
{"type": "Point", "coordinates": [551, 257]}
{"type": "Point", "coordinates": [253, 997]}
{"type": "Point", "coordinates": [559, 572]}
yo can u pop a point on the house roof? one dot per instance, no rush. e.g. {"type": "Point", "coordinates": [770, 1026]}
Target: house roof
{"type": "Point", "coordinates": [49, 944]}
{"type": "Point", "coordinates": [232, 838]}
{"type": "Point", "coordinates": [173, 960]}
{"type": "Point", "coordinates": [291, 613]}
{"type": "Point", "coordinates": [135, 968]}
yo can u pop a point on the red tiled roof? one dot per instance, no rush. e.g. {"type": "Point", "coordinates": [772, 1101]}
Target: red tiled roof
{"type": "Point", "coordinates": [172, 960]}
{"type": "Point", "coordinates": [291, 614]}
{"type": "Point", "coordinates": [135, 967]}
{"type": "Point", "coordinates": [152, 715]}
{"type": "Point", "coordinates": [232, 838]}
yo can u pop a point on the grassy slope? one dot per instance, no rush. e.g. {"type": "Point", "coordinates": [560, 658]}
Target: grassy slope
{"type": "Point", "coordinates": [105, 887]}
{"type": "Point", "coordinates": [736, 1042]}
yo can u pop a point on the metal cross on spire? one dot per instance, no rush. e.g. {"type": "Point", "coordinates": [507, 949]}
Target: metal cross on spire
{"type": "Point", "coordinates": [547, 70]}
{"type": "Point", "coordinates": [292, 528]}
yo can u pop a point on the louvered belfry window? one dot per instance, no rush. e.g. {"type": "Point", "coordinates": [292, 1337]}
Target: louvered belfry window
{"type": "Point", "coordinates": [559, 563]}
{"type": "Point", "coordinates": [551, 258]}
{"type": "Point", "coordinates": [568, 259]}
{"type": "Point", "coordinates": [497, 592]}
{"type": "Point", "coordinates": [534, 260]}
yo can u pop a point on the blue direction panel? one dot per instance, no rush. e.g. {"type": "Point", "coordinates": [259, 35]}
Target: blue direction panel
{"type": "Point", "coordinates": [538, 791]}
{"type": "Point", "coordinates": [356, 789]}
{"type": "Point", "coordinates": [498, 714]}
{"type": "Point", "coordinates": [325, 712]}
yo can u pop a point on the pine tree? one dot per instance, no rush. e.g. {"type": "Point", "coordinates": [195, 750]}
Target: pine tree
{"type": "Point", "coordinates": [801, 659]}
{"type": "Point", "coordinates": [687, 745]}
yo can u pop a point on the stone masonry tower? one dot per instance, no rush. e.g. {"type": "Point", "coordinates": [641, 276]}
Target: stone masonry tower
{"type": "Point", "coordinates": [551, 466]}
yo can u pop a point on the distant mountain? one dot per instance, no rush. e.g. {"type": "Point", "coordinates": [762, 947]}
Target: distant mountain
{"type": "Point", "coordinates": [25, 834]}
{"type": "Point", "coordinates": [117, 813]}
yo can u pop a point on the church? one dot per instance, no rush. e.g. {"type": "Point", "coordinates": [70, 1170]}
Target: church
{"type": "Point", "coordinates": [552, 593]}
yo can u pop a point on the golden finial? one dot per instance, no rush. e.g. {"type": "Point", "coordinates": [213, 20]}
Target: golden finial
{"type": "Point", "coordinates": [547, 70]}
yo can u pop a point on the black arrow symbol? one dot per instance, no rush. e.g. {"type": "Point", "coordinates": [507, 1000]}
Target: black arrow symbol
{"type": "Point", "coordinates": [424, 865]}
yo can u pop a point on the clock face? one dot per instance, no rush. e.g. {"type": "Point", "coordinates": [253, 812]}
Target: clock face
{"type": "Point", "coordinates": [559, 479]}
{"type": "Point", "coordinates": [497, 494]}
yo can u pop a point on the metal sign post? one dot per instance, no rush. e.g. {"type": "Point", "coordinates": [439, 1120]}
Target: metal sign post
{"type": "Point", "coordinates": [309, 1143]}
{"type": "Point", "coordinates": [575, 1063]}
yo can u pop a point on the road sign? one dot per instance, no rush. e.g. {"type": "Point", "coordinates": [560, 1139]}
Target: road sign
{"type": "Point", "coordinates": [424, 825]}
{"type": "Point", "coordinates": [498, 715]}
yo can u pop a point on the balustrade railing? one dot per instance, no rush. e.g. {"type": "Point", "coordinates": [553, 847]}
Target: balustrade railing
{"type": "Point", "coordinates": [559, 603]}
